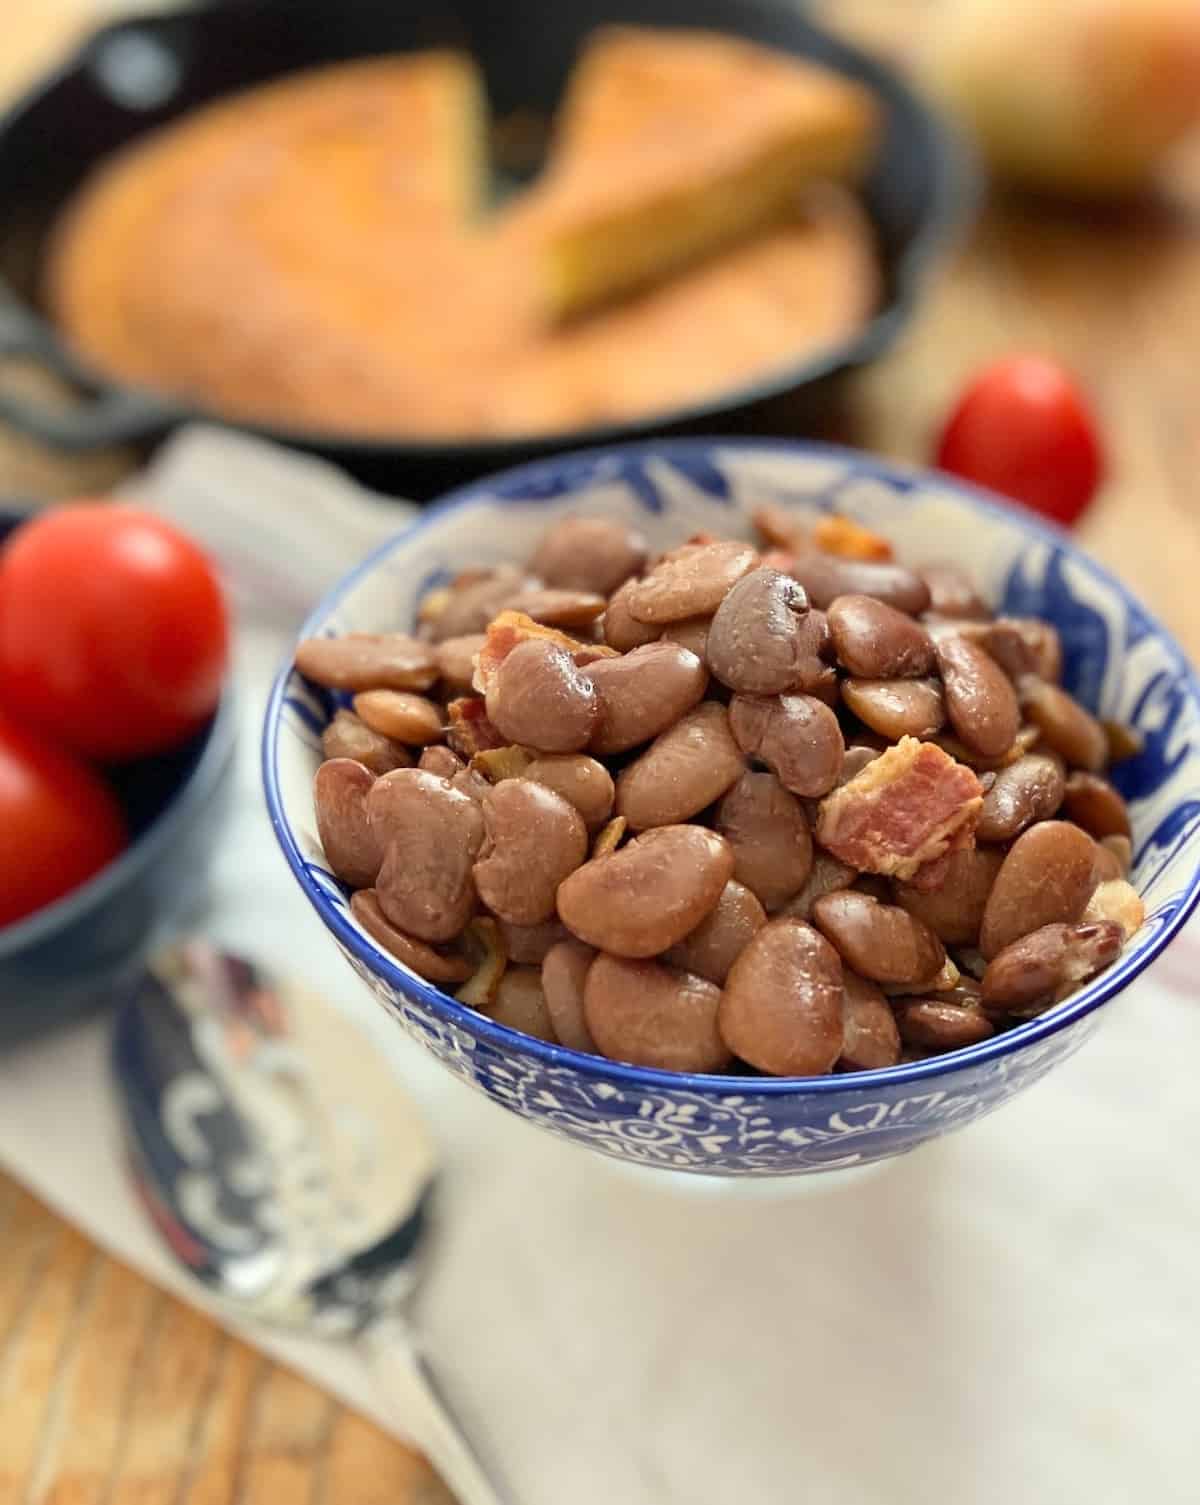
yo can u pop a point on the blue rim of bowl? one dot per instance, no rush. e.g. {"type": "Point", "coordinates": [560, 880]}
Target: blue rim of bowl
{"type": "Point", "coordinates": [472, 1022]}
{"type": "Point", "coordinates": [211, 764]}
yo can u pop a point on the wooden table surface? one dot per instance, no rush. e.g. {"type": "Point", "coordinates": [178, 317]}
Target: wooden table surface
{"type": "Point", "coordinates": [113, 1394]}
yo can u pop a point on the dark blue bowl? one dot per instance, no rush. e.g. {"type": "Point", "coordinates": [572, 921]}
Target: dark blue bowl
{"type": "Point", "coordinates": [84, 951]}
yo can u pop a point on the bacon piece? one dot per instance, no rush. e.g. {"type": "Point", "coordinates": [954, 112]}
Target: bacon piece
{"type": "Point", "coordinates": [843, 536]}
{"type": "Point", "coordinates": [909, 807]}
{"type": "Point", "coordinates": [469, 731]}
{"type": "Point", "coordinates": [509, 628]}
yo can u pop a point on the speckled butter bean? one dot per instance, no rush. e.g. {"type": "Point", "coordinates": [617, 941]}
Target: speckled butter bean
{"type": "Point", "coordinates": [683, 770]}
{"type": "Point", "coordinates": [647, 1014]}
{"type": "Point", "coordinates": [352, 849]}
{"type": "Point", "coordinates": [540, 698]}
{"type": "Point", "coordinates": [896, 708]}
{"type": "Point", "coordinates": [400, 715]}
{"type": "Point", "coordinates": [721, 937]}
{"type": "Point", "coordinates": [881, 942]}
{"type": "Point", "coordinates": [954, 912]}
{"type": "Point", "coordinates": [425, 961]}
{"type": "Point", "coordinates": [797, 737]}
{"type": "Point", "coordinates": [430, 835]}
{"type": "Point", "coordinates": [762, 641]}
{"type": "Point", "coordinates": [826, 577]}
{"type": "Point", "coordinates": [347, 736]}
{"type": "Point", "coordinates": [1029, 790]}
{"type": "Point", "coordinates": [564, 972]}
{"type": "Point", "coordinates": [1065, 726]}
{"type": "Point", "coordinates": [582, 782]}
{"type": "Point", "coordinates": [641, 899]}
{"type": "Point", "coordinates": [368, 661]}
{"type": "Point", "coordinates": [768, 830]}
{"type": "Point", "coordinates": [980, 700]}
{"type": "Point", "coordinates": [534, 840]}
{"type": "Point", "coordinates": [875, 641]}
{"type": "Point", "coordinates": [588, 554]}
{"type": "Point", "coordinates": [1047, 877]}
{"type": "Point", "coordinates": [1094, 804]}
{"type": "Point", "coordinates": [1046, 965]}
{"type": "Point", "coordinates": [642, 693]}
{"type": "Point", "coordinates": [691, 583]}
{"type": "Point", "coordinates": [782, 1007]}
{"type": "Point", "coordinates": [871, 1039]}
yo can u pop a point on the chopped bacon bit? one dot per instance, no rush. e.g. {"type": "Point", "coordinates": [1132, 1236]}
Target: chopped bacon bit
{"type": "Point", "coordinates": [512, 627]}
{"type": "Point", "coordinates": [842, 535]}
{"type": "Point", "coordinates": [909, 807]}
{"type": "Point", "coordinates": [497, 763]}
{"type": "Point", "coordinates": [469, 731]}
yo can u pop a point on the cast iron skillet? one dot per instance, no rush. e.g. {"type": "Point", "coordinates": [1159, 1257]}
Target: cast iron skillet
{"type": "Point", "coordinates": [138, 73]}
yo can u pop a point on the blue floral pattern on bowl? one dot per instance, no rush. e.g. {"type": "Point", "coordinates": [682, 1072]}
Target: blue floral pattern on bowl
{"type": "Point", "coordinates": [1118, 659]}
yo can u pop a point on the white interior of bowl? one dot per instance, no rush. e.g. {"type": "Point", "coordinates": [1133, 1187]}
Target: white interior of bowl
{"type": "Point", "coordinates": [1119, 659]}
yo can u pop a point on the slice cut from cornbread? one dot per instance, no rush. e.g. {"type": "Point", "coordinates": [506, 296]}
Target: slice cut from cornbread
{"type": "Point", "coordinates": [308, 178]}
{"type": "Point", "coordinates": [672, 143]}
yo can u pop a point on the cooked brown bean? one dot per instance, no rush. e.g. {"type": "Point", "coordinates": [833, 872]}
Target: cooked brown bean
{"type": "Point", "coordinates": [542, 699]}
{"type": "Point", "coordinates": [643, 692]}
{"type": "Point", "coordinates": [1024, 645]}
{"type": "Point", "coordinates": [827, 576]}
{"type": "Point", "coordinates": [856, 759]}
{"type": "Point", "coordinates": [797, 737]}
{"type": "Point", "coordinates": [623, 631]}
{"type": "Point", "coordinates": [347, 736]}
{"type": "Point", "coordinates": [1107, 865]}
{"type": "Point", "coordinates": [941, 1024]}
{"type": "Point", "coordinates": [952, 593]}
{"type": "Point", "coordinates": [643, 898]}
{"type": "Point", "coordinates": [954, 912]}
{"type": "Point", "coordinates": [1093, 803]}
{"type": "Point", "coordinates": [352, 849]}
{"type": "Point", "coordinates": [769, 833]}
{"type": "Point", "coordinates": [683, 770]}
{"type": "Point", "coordinates": [456, 661]}
{"type": "Point", "coordinates": [400, 715]}
{"type": "Point", "coordinates": [564, 972]}
{"type": "Point", "coordinates": [875, 641]}
{"type": "Point", "coordinates": [527, 945]}
{"type": "Point", "coordinates": [588, 554]}
{"type": "Point", "coordinates": [980, 700]}
{"type": "Point", "coordinates": [430, 834]}
{"type": "Point", "coordinates": [691, 634]}
{"type": "Point", "coordinates": [520, 1004]}
{"type": "Point", "coordinates": [534, 840]}
{"type": "Point", "coordinates": [721, 937]}
{"type": "Point", "coordinates": [1072, 732]}
{"type": "Point", "coordinates": [368, 661]}
{"type": "Point", "coordinates": [557, 608]}
{"type": "Point", "coordinates": [468, 608]}
{"type": "Point", "coordinates": [691, 583]}
{"type": "Point", "coordinates": [1122, 849]}
{"type": "Point", "coordinates": [896, 708]}
{"type": "Point", "coordinates": [872, 1040]}
{"type": "Point", "coordinates": [425, 961]}
{"type": "Point", "coordinates": [828, 876]}
{"type": "Point", "coordinates": [650, 1015]}
{"type": "Point", "coordinates": [1123, 741]}
{"type": "Point", "coordinates": [1047, 877]}
{"type": "Point", "coordinates": [441, 761]}
{"type": "Point", "coordinates": [782, 1008]}
{"type": "Point", "coordinates": [1048, 964]}
{"type": "Point", "coordinates": [471, 782]}
{"type": "Point", "coordinates": [1118, 901]}
{"type": "Point", "coordinates": [1029, 790]}
{"type": "Point", "coordinates": [762, 641]}
{"type": "Point", "coordinates": [881, 942]}
{"type": "Point", "coordinates": [582, 782]}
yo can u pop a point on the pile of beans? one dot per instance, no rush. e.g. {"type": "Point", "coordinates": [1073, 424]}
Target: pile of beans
{"type": "Point", "coordinates": [788, 807]}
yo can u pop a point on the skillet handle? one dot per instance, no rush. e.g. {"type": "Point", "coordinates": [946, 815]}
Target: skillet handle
{"type": "Point", "coordinates": [105, 416]}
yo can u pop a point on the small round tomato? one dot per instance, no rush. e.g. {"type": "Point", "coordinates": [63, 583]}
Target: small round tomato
{"type": "Point", "coordinates": [113, 637]}
{"type": "Point", "coordinates": [1023, 428]}
{"type": "Point", "coordinates": [60, 822]}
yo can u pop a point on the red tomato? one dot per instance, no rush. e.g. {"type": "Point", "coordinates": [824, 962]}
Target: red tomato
{"type": "Point", "coordinates": [1023, 428]}
{"type": "Point", "coordinates": [113, 637]}
{"type": "Point", "coordinates": [61, 824]}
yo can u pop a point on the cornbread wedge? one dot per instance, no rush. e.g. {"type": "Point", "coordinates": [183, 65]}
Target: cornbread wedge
{"type": "Point", "coordinates": [672, 144]}
{"type": "Point", "coordinates": [258, 183]}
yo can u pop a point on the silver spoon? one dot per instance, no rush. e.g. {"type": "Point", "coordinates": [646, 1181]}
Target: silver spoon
{"type": "Point", "coordinates": [283, 1166]}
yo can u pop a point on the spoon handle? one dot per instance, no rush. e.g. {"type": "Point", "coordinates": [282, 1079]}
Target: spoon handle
{"type": "Point", "coordinates": [424, 1414]}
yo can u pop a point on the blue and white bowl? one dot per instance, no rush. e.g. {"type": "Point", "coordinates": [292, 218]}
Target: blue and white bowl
{"type": "Point", "coordinates": [1119, 661]}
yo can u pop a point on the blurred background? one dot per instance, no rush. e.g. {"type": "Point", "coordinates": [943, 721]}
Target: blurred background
{"type": "Point", "coordinates": [1067, 232]}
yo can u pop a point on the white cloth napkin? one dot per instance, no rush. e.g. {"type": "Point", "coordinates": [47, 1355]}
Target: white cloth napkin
{"type": "Point", "coordinates": [1008, 1315]}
